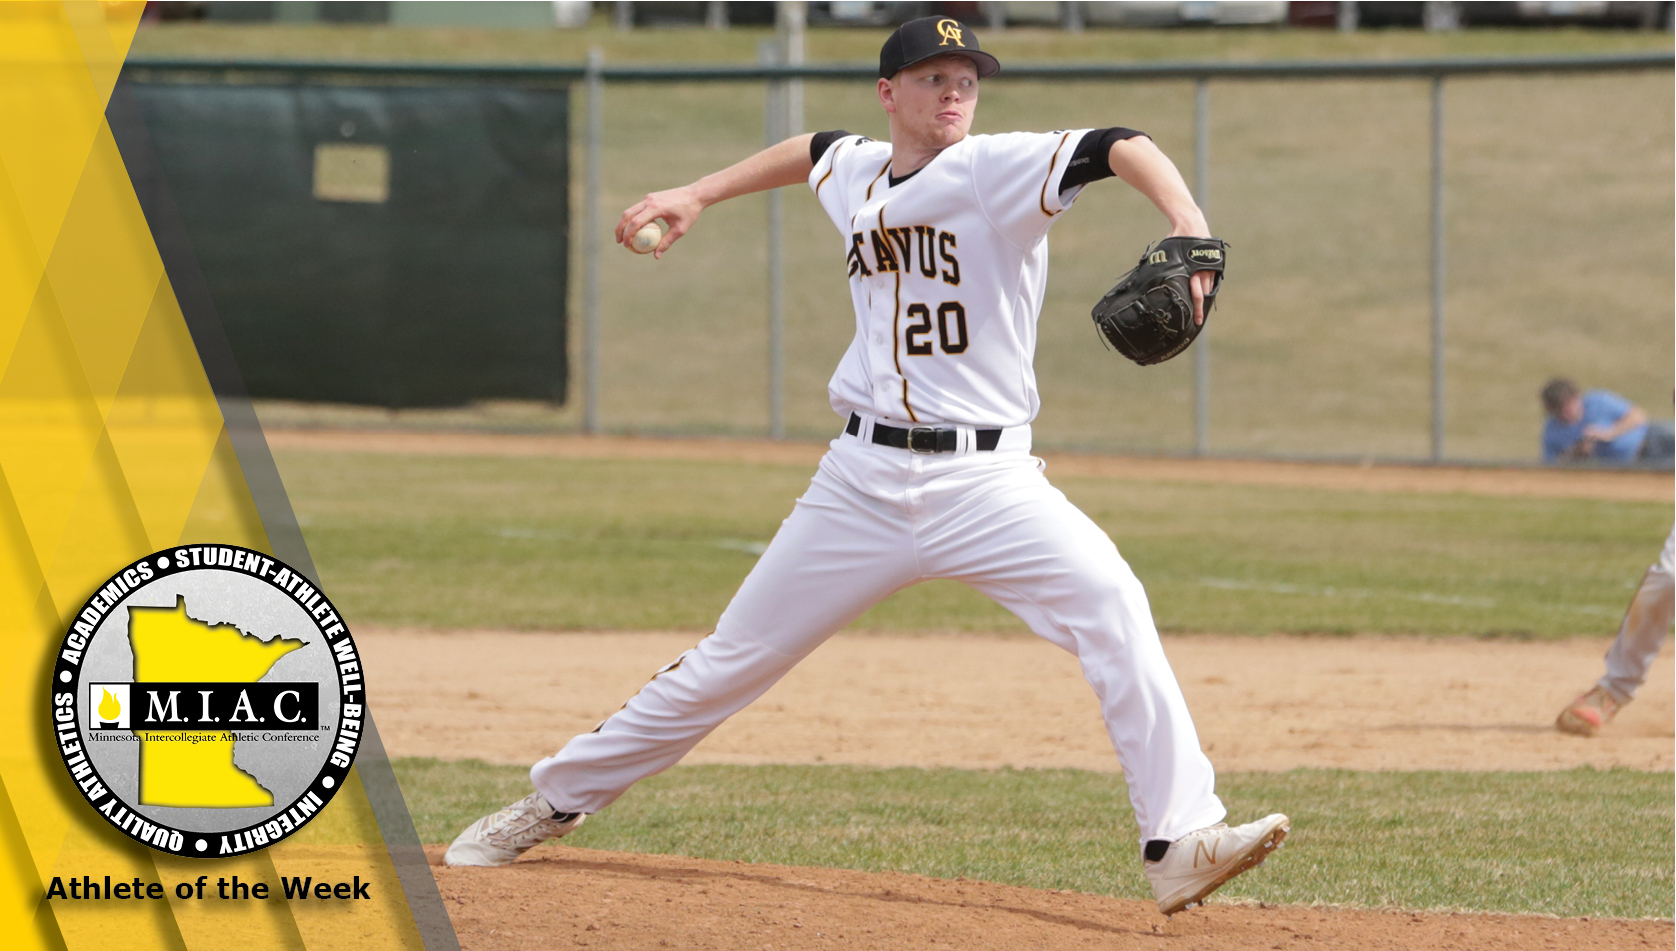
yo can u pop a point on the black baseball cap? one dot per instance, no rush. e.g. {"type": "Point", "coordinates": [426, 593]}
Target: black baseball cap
{"type": "Point", "coordinates": [921, 39]}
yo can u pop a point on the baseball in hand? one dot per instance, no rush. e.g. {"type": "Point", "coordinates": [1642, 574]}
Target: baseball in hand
{"type": "Point", "coordinates": [646, 239]}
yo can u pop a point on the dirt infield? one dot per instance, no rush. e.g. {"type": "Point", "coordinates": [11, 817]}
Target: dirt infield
{"type": "Point", "coordinates": [559, 897]}
{"type": "Point", "coordinates": [985, 701]}
{"type": "Point", "coordinates": [1631, 486]}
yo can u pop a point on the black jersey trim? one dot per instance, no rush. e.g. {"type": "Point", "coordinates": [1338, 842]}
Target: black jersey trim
{"type": "Point", "coordinates": [823, 141]}
{"type": "Point", "coordinates": [1089, 160]}
{"type": "Point", "coordinates": [895, 181]}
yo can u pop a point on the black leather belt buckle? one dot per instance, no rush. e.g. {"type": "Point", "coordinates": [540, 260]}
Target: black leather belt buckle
{"type": "Point", "coordinates": [924, 439]}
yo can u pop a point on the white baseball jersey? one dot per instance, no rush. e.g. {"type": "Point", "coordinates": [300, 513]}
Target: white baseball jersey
{"type": "Point", "coordinates": [947, 269]}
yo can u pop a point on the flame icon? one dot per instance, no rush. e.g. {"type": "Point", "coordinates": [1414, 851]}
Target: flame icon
{"type": "Point", "coordinates": [110, 708]}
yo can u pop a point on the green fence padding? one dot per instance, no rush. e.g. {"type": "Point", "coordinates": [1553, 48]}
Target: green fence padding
{"type": "Point", "coordinates": [395, 246]}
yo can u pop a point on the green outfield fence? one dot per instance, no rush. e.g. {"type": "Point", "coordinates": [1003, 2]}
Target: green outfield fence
{"type": "Point", "coordinates": [1407, 267]}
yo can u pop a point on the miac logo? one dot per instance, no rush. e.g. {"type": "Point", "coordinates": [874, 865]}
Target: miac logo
{"type": "Point", "coordinates": [950, 31]}
{"type": "Point", "coordinates": [208, 700]}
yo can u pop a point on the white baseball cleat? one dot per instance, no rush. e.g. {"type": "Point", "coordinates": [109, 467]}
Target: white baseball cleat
{"type": "Point", "coordinates": [1199, 862]}
{"type": "Point", "coordinates": [500, 837]}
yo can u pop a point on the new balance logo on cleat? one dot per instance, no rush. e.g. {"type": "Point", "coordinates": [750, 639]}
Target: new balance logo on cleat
{"type": "Point", "coordinates": [1208, 853]}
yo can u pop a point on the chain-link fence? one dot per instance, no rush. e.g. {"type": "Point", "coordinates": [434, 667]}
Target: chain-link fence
{"type": "Point", "coordinates": [1556, 206]}
{"type": "Point", "coordinates": [1416, 248]}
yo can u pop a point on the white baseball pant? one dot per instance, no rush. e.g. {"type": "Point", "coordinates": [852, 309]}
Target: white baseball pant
{"type": "Point", "coordinates": [874, 520]}
{"type": "Point", "coordinates": [1644, 628]}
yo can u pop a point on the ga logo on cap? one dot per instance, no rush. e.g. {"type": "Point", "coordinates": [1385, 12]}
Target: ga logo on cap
{"type": "Point", "coordinates": [949, 30]}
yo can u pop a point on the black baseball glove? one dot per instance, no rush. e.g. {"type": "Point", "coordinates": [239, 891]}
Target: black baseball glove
{"type": "Point", "coordinates": [1148, 316]}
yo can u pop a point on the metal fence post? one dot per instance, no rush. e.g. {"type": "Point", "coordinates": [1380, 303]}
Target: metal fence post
{"type": "Point", "coordinates": [790, 29]}
{"type": "Point", "coordinates": [776, 318]}
{"type": "Point", "coordinates": [1071, 18]}
{"type": "Point", "coordinates": [1201, 189]}
{"type": "Point", "coordinates": [595, 84]}
{"type": "Point", "coordinates": [774, 119]}
{"type": "Point", "coordinates": [782, 119]}
{"type": "Point", "coordinates": [1437, 268]}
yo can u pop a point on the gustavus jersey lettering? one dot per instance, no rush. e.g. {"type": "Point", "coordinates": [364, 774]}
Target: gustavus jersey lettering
{"type": "Point", "coordinates": [966, 234]}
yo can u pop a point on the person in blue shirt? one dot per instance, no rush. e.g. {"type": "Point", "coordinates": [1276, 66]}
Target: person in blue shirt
{"type": "Point", "coordinates": [1598, 425]}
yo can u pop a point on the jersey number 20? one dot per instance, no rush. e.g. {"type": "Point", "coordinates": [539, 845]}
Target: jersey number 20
{"type": "Point", "coordinates": [951, 328]}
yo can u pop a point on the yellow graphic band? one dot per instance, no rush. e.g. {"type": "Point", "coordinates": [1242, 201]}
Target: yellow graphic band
{"type": "Point", "coordinates": [112, 445]}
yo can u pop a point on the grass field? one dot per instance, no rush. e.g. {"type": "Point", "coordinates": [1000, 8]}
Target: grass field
{"type": "Point", "coordinates": [555, 544]}
{"type": "Point", "coordinates": [1320, 343]}
{"type": "Point", "coordinates": [1582, 842]}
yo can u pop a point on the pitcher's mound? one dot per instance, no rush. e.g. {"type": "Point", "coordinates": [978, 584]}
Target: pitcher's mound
{"type": "Point", "coordinates": [559, 897]}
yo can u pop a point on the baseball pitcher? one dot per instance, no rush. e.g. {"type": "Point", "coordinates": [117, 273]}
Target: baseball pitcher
{"type": "Point", "coordinates": [944, 237]}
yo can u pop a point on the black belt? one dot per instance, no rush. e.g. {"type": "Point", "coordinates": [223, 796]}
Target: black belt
{"type": "Point", "coordinates": [924, 438]}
